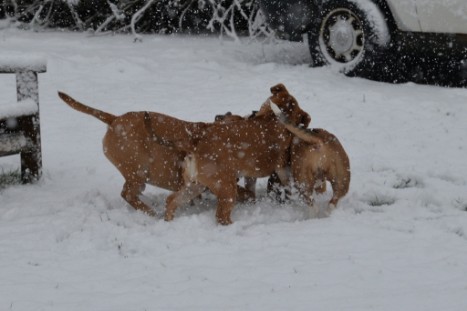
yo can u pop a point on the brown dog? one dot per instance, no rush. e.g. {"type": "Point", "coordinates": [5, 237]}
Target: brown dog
{"type": "Point", "coordinates": [248, 192]}
{"type": "Point", "coordinates": [254, 147]}
{"type": "Point", "coordinates": [317, 156]}
{"type": "Point", "coordinates": [131, 145]}
{"type": "Point", "coordinates": [139, 158]}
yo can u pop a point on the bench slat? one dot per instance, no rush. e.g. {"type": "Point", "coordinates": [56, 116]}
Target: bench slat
{"type": "Point", "coordinates": [12, 143]}
{"type": "Point", "coordinates": [23, 108]}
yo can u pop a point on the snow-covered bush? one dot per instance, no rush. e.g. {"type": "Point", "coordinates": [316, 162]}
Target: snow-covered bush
{"type": "Point", "coordinates": [35, 13]}
{"type": "Point", "coordinates": [229, 17]}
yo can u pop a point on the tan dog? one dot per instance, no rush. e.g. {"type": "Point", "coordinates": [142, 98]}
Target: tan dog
{"type": "Point", "coordinates": [144, 160]}
{"type": "Point", "coordinates": [140, 159]}
{"type": "Point", "coordinates": [255, 147]}
{"type": "Point", "coordinates": [317, 156]}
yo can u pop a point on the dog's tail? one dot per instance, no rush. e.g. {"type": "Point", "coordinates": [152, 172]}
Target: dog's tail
{"type": "Point", "coordinates": [105, 117]}
{"type": "Point", "coordinates": [302, 133]}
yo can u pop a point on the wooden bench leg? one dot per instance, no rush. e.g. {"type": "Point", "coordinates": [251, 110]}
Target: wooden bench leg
{"type": "Point", "coordinates": [31, 159]}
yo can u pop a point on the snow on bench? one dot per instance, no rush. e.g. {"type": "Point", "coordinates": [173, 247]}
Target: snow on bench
{"type": "Point", "coordinates": [19, 109]}
{"type": "Point", "coordinates": [13, 64]}
{"type": "Point", "coordinates": [19, 122]}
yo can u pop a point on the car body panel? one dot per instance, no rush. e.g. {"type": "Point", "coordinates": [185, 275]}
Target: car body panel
{"type": "Point", "coordinates": [405, 14]}
{"type": "Point", "coordinates": [292, 18]}
{"type": "Point", "coordinates": [446, 16]}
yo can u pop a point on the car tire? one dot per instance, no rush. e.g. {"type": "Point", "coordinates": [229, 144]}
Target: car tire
{"type": "Point", "coordinates": [348, 35]}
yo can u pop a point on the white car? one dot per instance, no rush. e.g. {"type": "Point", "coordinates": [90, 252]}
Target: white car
{"type": "Point", "coordinates": [357, 34]}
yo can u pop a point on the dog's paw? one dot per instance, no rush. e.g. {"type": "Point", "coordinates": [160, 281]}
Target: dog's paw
{"type": "Point", "coordinates": [328, 211]}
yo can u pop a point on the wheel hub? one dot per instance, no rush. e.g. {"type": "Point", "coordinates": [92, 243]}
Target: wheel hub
{"type": "Point", "coordinates": [341, 36]}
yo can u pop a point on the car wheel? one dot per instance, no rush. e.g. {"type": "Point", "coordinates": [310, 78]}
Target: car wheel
{"type": "Point", "coordinates": [348, 35]}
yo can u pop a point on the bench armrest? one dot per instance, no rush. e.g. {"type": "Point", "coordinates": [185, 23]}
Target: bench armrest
{"type": "Point", "coordinates": [12, 64]}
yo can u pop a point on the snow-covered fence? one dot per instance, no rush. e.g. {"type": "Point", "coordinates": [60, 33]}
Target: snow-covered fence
{"type": "Point", "coordinates": [19, 122]}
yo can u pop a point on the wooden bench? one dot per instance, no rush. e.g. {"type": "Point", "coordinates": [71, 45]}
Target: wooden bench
{"type": "Point", "coordinates": [19, 121]}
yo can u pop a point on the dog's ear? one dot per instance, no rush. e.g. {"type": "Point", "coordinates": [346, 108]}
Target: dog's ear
{"type": "Point", "coordinates": [306, 119]}
{"type": "Point", "coordinates": [221, 117]}
{"type": "Point", "coordinates": [253, 114]}
{"type": "Point", "coordinates": [278, 88]}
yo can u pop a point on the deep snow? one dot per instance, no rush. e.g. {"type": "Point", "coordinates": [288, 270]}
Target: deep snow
{"type": "Point", "coordinates": [397, 241]}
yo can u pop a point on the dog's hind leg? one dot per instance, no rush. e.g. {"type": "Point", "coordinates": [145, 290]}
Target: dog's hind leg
{"type": "Point", "coordinates": [320, 186]}
{"type": "Point", "coordinates": [305, 189]}
{"type": "Point", "coordinates": [339, 190]}
{"type": "Point", "coordinates": [131, 192]}
{"type": "Point", "coordinates": [307, 196]}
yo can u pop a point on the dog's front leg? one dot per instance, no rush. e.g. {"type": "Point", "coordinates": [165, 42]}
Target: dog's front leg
{"type": "Point", "coordinates": [283, 175]}
{"type": "Point", "coordinates": [247, 193]}
{"type": "Point", "coordinates": [226, 194]}
{"type": "Point", "coordinates": [224, 210]}
{"type": "Point", "coordinates": [187, 193]}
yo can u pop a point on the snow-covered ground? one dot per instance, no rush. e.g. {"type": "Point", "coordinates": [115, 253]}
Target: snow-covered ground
{"type": "Point", "coordinates": [397, 241]}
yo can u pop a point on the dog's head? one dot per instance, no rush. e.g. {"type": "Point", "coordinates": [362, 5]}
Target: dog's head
{"type": "Point", "coordinates": [287, 104]}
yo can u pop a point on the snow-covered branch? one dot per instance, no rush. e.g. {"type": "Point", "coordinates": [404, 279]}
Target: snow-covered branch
{"type": "Point", "coordinates": [237, 17]}
{"type": "Point", "coordinates": [231, 18]}
{"type": "Point", "coordinates": [136, 17]}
